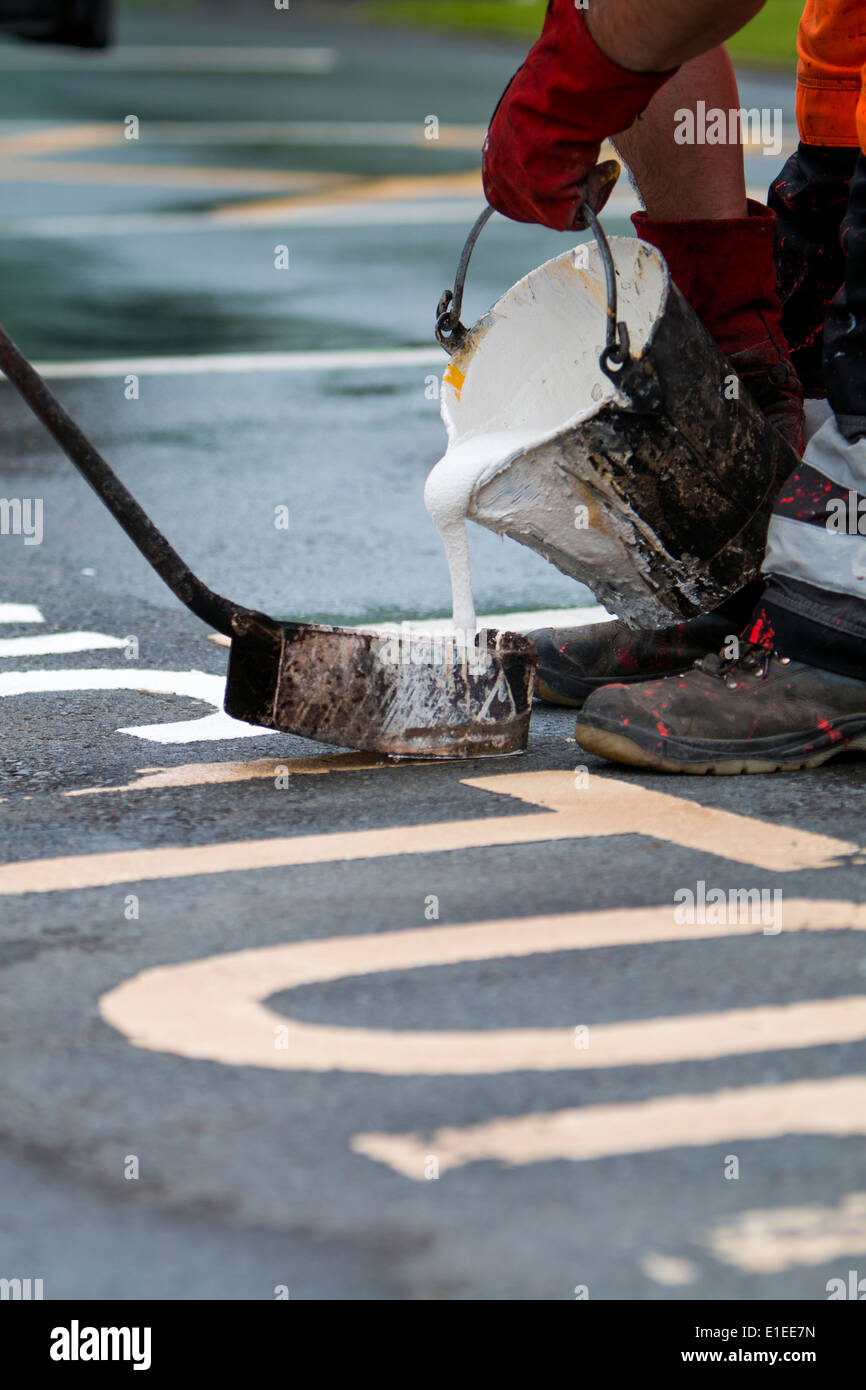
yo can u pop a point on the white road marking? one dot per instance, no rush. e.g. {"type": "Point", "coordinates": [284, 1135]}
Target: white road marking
{"type": "Point", "coordinates": [499, 622]}
{"type": "Point", "coordinates": [337, 360]}
{"type": "Point", "coordinates": [412, 213]}
{"type": "Point", "coordinates": [589, 616]}
{"type": "Point", "coordinates": [57, 644]}
{"type": "Point", "coordinates": [195, 685]}
{"type": "Point", "coordinates": [231, 58]}
{"type": "Point", "coordinates": [20, 613]}
{"type": "Point", "coordinates": [214, 1008]}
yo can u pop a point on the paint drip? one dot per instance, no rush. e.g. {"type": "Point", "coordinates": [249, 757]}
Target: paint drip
{"type": "Point", "coordinates": [448, 498]}
{"type": "Point", "coordinates": [515, 396]}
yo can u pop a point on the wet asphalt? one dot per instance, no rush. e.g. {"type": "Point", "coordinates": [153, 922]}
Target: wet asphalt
{"type": "Point", "coordinates": [247, 1177]}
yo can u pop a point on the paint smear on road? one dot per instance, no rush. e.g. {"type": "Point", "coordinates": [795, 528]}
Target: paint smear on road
{"type": "Point", "coordinates": [213, 1009]}
{"type": "Point", "coordinates": [667, 1270]}
{"type": "Point", "coordinates": [833, 1108]}
{"type": "Point", "coordinates": [213, 774]}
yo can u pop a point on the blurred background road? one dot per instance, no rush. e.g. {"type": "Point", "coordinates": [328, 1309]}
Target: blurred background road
{"type": "Point", "coordinates": [259, 129]}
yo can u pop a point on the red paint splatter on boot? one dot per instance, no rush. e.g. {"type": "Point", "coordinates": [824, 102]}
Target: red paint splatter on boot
{"type": "Point", "coordinates": [830, 730]}
{"type": "Point", "coordinates": [761, 631]}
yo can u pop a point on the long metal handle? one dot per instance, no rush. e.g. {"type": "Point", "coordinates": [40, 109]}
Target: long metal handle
{"type": "Point", "coordinates": [219, 612]}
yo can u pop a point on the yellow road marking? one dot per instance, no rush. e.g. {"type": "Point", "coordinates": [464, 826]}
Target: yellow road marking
{"type": "Point", "coordinates": [835, 1107]}
{"type": "Point", "coordinates": [394, 188]}
{"type": "Point", "coordinates": [768, 1242]}
{"type": "Point", "coordinates": [58, 138]}
{"type": "Point", "coordinates": [165, 175]}
{"type": "Point", "coordinates": [102, 135]}
{"type": "Point", "coordinates": [604, 807]}
{"type": "Point", "coordinates": [213, 1008]}
{"type": "Point", "coordinates": [212, 774]}
{"type": "Point", "coordinates": [669, 1271]}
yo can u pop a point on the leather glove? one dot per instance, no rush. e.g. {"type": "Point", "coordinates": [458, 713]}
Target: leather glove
{"type": "Point", "coordinates": [541, 152]}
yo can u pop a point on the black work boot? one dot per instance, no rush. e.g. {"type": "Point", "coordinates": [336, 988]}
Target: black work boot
{"type": "Point", "coordinates": [759, 713]}
{"type": "Point", "coordinates": [574, 662]}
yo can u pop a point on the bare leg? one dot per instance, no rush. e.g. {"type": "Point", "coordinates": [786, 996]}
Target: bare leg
{"type": "Point", "coordinates": [687, 182]}
{"type": "Point", "coordinates": [652, 37]}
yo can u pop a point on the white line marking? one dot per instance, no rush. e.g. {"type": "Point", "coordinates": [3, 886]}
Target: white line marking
{"type": "Point", "coordinates": [58, 644]}
{"type": "Point", "coordinates": [338, 360]}
{"type": "Point", "coordinates": [500, 622]}
{"type": "Point", "coordinates": [20, 613]}
{"type": "Point", "coordinates": [195, 685]}
{"type": "Point", "coordinates": [174, 58]}
{"type": "Point", "coordinates": [432, 213]}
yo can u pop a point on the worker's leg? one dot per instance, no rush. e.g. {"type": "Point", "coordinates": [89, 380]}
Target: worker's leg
{"type": "Point", "coordinates": [685, 182]}
{"type": "Point", "coordinates": [720, 249]}
{"type": "Point", "coordinates": [810, 199]}
{"type": "Point", "coordinates": [650, 37]}
{"type": "Point", "coordinates": [815, 605]}
{"type": "Point", "coordinates": [794, 694]}
{"type": "Point", "coordinates": [720, 252]}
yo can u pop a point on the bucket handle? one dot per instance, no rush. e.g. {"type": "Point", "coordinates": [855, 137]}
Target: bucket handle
{"type": "Point", "coordinates": [616, 360]}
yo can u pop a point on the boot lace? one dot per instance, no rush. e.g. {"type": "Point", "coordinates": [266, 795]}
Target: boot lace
{"type": "Point", "coordinates": [752, 658]}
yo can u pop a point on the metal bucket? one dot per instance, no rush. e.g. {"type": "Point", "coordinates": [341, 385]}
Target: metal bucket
{"type": "Point", "coordinates": [405, 695]}
{"type": "Point", "coordinates": [622, 445]}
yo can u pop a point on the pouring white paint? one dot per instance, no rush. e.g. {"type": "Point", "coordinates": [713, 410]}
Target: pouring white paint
{"type": "Point", "coordinates": [447, 497]}
{"type": "Point", "coordinates": [535, 374]}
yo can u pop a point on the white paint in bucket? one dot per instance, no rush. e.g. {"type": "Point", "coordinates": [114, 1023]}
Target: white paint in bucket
{"type": "Point", "coordinates": [527, 377]}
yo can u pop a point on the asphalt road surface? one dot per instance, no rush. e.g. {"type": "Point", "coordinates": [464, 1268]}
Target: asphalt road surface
{"type": "Point", "coordinates": [277, 1017]}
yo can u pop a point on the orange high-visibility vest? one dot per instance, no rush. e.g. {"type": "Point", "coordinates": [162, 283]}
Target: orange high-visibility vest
{"type": "Point", "coordinates": [831, 76]}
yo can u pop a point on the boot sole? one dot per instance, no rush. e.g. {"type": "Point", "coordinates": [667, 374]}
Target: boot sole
{"type": "Point", "coordinates": [619, 748]}
{"type": "Point", "coordinates": [552, 697]}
